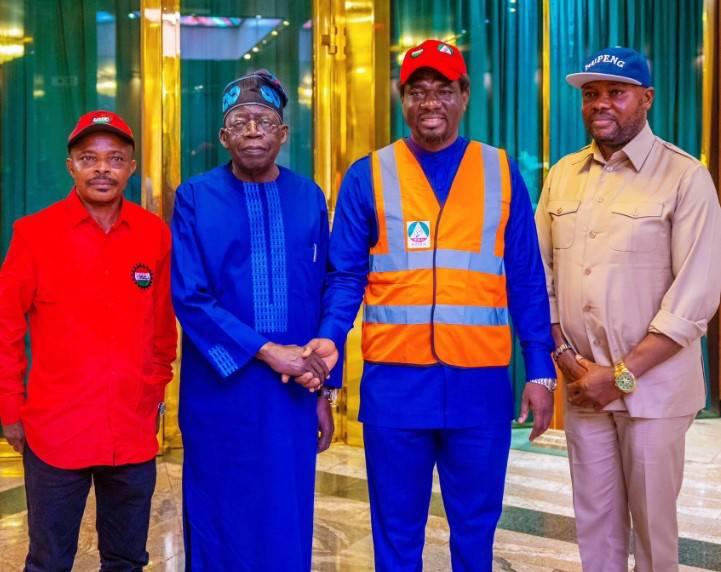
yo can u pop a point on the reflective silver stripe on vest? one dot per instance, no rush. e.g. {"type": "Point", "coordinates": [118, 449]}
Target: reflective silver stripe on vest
{"type": "Point", "coordinates": [445, 258]}
{"type": "Point", "coordinates": [398, 258]}
{"type": "Point", "coordinates": [492, 203]}
{"type": "Point", "coordinates": [444, 314]}
{"type": "Point", "coordinates": [395, 226]}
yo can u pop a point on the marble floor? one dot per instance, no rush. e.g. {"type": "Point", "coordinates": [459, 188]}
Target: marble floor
{"type": "Point", "coordinates": [536, 532]}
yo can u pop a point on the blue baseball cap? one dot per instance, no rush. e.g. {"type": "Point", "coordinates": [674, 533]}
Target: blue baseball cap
{"type": "Point", "coordinates": [614, 64]}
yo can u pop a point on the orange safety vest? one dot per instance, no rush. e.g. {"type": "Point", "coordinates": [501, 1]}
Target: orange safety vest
{"type": "Point", "coordinates": [437, 286]}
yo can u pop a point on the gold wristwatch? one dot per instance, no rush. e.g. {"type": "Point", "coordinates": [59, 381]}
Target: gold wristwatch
{"type": "Point", "coordinates": [625, 380]}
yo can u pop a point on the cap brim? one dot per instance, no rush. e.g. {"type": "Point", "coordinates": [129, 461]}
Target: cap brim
{"type": "Point", "coordinates": [581, 79]}
{"type": "Point", "coordinates": [99, 128]}
{"type": "Point", "coordinates": [450, 76]}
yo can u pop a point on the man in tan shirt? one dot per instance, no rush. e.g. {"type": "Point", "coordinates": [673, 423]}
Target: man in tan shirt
{"type": "Point", "coordinates": [628, 228]}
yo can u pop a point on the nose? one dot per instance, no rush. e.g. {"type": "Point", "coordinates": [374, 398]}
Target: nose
{"type": "Point", "coordinates": [431, 101]}
{"type": "Point", "coordinates": [252, 130]}
{"type": "Point", "coordinates": [102, 166]}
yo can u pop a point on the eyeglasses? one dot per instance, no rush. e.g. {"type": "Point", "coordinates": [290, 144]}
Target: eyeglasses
{"type": "Point", "coordinates": [262, 124]}
{"type": "Point", "coordinates": [418, 95]}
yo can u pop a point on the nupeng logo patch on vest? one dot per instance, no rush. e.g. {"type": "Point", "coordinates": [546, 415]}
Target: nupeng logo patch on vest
{"type": "Point", "coordinates": [419, 234]}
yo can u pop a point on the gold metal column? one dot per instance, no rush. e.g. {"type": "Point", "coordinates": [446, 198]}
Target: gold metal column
{"type": "Point", "coordinates": [352, 117]}
{"type": "Point", "coordinates": [160, 140]}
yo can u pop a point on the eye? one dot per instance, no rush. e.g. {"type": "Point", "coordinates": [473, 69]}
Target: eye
{"type": "Point", "coordinates": [117, 160]}
{"type": "Point", "coordinates": [264, 122]}
{"type": "Point", "coordinates": [446, 92]}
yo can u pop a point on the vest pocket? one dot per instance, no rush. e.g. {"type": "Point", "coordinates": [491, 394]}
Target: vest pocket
{"type": "Point", "coordinates": [636, 227]}
{"type": "Point", "coordinates": [563, 222]}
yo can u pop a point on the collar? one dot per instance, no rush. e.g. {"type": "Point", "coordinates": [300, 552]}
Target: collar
{"type": "Point", "coordinates": [77, 213]}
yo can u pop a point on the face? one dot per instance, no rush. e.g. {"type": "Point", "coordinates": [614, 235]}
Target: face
{"type": "Point", "coordinates": [614, 112]}
{"type": "Point", "coordinates": [433, 108]}
{"type": "Point", "coordinates": [101, 164]}
{"type": "Point", "coordinates": [253, 135]}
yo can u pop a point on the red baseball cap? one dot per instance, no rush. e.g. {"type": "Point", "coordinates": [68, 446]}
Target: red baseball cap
{"type": "Point", "coordinates": [101, 120]}
{"type": "Point", "coordinates": [444, 58]}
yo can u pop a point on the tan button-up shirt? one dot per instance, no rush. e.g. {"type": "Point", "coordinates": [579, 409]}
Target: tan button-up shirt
{"type": "Point", "coordinates": [631, 245]}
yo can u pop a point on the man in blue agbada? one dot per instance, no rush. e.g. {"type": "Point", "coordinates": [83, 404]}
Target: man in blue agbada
{"type": "Point", "coordinates": [250, 241]}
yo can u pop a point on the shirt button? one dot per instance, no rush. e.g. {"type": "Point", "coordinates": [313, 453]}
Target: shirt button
{"type": "Point", "coordinates": [593, 234]}
{"type": "Point", "coordinates": [609, 169]}
{"type": "Point", "coordinates": [587, 308]}
{"type": "Point", "coordinates": [559, 210]}
{"type": "Point", "coordinates": [596, 343]}
{"type": "Point", "coordinates": [587, 272]}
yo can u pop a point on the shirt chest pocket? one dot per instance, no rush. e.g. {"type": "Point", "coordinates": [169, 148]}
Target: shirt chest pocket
{"type": "Point", "coordinates": [563, 221]}
{"type": "Point", "coordinates": [637, 227]}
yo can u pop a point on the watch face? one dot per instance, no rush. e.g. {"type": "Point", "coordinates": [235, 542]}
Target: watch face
{"type": "Point", "coordinates": [626, 382]}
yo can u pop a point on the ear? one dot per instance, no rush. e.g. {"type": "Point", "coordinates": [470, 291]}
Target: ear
{"type": "Point", "coordinates": [223, 137]}
{"type": "Point", "coordinates": [69, 166]}
{"type": "Point", "coordinates": [133, 166]}
{"type": "Point", "coordinates": [648, 96]}
{"type": "Point", "coordinates": [466, 95]}
{"type": "Point", "coordinates": [283, 134]}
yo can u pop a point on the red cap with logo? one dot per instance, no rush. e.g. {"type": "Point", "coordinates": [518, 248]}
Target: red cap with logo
{"type": "Point", "coordinates": [101, 120]}
{"type": "Point", "coordinates": [444, 58]}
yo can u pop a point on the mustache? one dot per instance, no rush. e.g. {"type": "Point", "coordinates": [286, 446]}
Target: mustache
{"type": "Point", "coordinates": [603, 116]}
{"type": "Point", "coordinates": [103, 180]}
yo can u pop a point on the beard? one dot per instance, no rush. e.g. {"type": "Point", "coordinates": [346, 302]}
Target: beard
{"type": "Point", "coordinates": [621, 134]}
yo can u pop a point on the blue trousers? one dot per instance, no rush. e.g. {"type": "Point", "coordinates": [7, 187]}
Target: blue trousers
{"type": "Point", "coordinates": [56, 502]}
{"type": "Point", "coordinates": [472, 469]}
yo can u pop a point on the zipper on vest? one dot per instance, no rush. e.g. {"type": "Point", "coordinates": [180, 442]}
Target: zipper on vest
{"type": "Point", "coordinates": [433, 305]}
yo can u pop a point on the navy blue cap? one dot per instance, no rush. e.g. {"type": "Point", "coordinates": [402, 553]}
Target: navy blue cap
{"type": "Point", "coordinates": [614, 64]}
{"type": "Point", "coordinates": [258, 88]}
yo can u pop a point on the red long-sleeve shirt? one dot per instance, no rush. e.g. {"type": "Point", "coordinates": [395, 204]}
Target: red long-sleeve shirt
{"type": "Point", "coordinates": [102, 333]}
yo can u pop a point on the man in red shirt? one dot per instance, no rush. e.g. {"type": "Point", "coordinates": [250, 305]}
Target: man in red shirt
{"type": "Point", "coordinates": [89, 275]}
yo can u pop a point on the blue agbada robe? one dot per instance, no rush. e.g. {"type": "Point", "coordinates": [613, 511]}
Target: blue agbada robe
{"type": "Point", "coordinates": [248, 267]}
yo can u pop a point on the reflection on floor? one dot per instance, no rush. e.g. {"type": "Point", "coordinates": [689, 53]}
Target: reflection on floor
{"type": "Point", "coordinates": [536, 531]}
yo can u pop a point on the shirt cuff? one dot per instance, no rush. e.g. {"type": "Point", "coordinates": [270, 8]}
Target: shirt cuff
{"type": "Point", "coordinates": [335, 333]}
{"type": "Point", "coordinates": [10, 408]}
{"type": "Point", "coordinates": [539, 364]}
{"type": "Point", "coordinates": [681, 331]}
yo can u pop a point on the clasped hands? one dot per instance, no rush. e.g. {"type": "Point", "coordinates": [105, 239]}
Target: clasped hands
{"type": "Point", "coordinates": [588, 384]}
{"type": "Point", "coordinates": [308, 365]}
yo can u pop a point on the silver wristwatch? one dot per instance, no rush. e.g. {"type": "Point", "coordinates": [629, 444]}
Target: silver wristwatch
{"type": "Point", "coordinates": [564, 347]}
{"type": "Point", "coordinates": [329, 393]}
{"type": "Point", "coordinates": [548, 382]}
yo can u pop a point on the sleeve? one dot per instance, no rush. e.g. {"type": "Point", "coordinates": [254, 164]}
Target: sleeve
{"type": "Point", "coordinates": [693, 297]}
{"type": "Point", "coordinates": [165, 334]}
{"type": "Point", "coordinates": [226, 342]}
{"type": "Point", "coordinates": [17, 290]}
{"type": "Point", "coordinates": [545, 243]}
{"type": "Point", "coordinates": [527, 297]}
{"type": "Point", "coordinates": [355, 231]}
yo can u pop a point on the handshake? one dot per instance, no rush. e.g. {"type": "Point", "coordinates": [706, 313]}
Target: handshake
{"type": "Point", "coordinates": [308, 365]}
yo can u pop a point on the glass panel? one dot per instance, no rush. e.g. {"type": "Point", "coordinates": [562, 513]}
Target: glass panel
{"type": "Point", "coordinates": [221, 40]}
{"type": "Point", "coordinates": [57, 61]}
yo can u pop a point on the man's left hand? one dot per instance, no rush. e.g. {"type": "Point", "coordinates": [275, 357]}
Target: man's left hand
{"type": "Point", "coordinates": [538, 399]}
{"type": "Point", "coordinates": [597, 387]}
{"type": "Point", "coordinates": [325, 424]}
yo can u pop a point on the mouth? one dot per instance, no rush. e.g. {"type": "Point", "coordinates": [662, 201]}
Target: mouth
{"type": "Point", "coordinates": [432, 121]}
{"type": "Point", "coordinates": [102, 184]}
{"type": "Point", "coordinates": [602, 121]}
{"type": "Point", "coordinates": [254, 150]}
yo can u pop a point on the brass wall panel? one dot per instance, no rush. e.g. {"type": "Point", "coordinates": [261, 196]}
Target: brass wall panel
{"type": "Point", "coordinates": [160, 133]}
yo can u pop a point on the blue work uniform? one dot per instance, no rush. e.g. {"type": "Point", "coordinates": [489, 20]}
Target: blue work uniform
{"type": "Point", "coordinates": [248, 267]}
{"type": "Point", "coordinates": [416, 417]}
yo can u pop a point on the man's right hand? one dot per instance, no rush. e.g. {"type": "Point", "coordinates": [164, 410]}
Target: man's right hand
{"type": "Point", "coordinates": [15, 434]}
{"type": "Point", "coordinates": [571, 369]}
{"type": "Point", "coordinates": [294, 361]}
